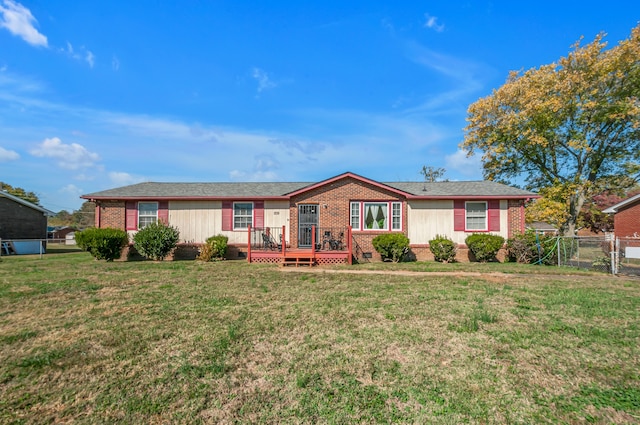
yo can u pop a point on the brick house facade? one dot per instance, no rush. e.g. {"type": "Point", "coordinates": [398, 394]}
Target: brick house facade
{"type": "Point", "coordinates": [345, 204]}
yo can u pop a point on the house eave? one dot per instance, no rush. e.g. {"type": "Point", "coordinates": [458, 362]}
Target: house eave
{"type": "Point", "coordinates": [615, 208]}
{"type": "Point", "coordinates": [184, 198]}
{"type": "Point", "coordinates": [471, 196]}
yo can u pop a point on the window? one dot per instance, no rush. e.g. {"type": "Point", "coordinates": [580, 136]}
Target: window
{"type": "Point", "coordinates": [396, 216]}
{"type": "Point", "coordinates": [147, 213]}
{"type": "Point", "coordinates": [242, 215]}
{"type": "Point", "coordinates": [476, 215]}
{"type": "Point", "coordinates": [376, 215]}
{"type": "Point", "coordinates": [355, 215]}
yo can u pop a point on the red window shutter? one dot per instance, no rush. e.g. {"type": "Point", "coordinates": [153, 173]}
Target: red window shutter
{"type": "Point", "coordinates": [227, 215]}
{"type": "Point", "coordinates": [131, 217]}
{"type": "Point", "coordinates": [258, 214]}
{"type": "Point", "coordinates": [494, 215]}
{"type": "Point", "coordinates": [458, 216]}
{"type": "Point", "coordinates": [163, 212]}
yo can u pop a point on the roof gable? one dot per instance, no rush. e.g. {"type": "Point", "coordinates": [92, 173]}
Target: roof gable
{"type": "Point", "coordinates": [25, 203]}
{"type": "Point", "coordinates": [621, 205]}
{"type": "Point", "coordinates": [349, 175]}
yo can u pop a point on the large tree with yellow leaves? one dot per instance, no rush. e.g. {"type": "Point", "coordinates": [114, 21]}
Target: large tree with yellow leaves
{"type": "Point", "coordinates": [573, 125]}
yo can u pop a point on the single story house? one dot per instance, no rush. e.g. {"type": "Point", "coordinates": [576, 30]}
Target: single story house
{"type": "Point", "coordinates": [626, 219]}
{"type": "Point", "coordinates": [22, 221]}
{"type": "Point", "coordinates": [335, 219]}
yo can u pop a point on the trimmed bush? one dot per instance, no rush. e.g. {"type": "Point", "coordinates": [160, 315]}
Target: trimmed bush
{"type": "Point", "coordinates": [484, 246]}
{"type": "Point", "coordinates": [102, 244]}
{"type": "Point", "coordinates": [214, 249]}
{"type": "Point", "coordinates": [391, 246]}
{"type": "Point", "coordinates": [156, 240]}
{"type": "Point", "coordinates": [443, 249]}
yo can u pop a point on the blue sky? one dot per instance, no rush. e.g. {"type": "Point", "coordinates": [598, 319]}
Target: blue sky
{"type": "Point", "coordinates": [101, 94]}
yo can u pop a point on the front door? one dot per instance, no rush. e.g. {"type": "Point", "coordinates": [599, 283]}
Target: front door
{"type": "Point", "coordinates": [307, 218]}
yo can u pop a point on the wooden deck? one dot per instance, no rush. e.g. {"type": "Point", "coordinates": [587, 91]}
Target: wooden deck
{"type": "Point", "coordinates": [300, 257]}
{"type": "Point", "coordinates": [288, 256]}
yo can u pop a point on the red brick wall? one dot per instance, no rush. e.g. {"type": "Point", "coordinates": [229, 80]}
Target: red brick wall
{"type": "Point", "coordinates": [515, 213]}
{"type": "Point", "coordinates": [112, 214]}
{"type": "Point", "coordinates": [626, 222]}
{"type": "Point", "coordinates": [337, 197]}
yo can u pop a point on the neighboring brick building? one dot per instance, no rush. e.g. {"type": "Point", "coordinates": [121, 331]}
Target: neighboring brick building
{"type": "Point", "coordinates": [20, 219]}
{"type": "Point", "coordinates": [345, 210]}
{"type": "Point", "coordinates": [626, 219]}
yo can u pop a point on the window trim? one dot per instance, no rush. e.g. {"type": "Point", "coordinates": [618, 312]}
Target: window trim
{"type": "Point", "coordinates": [233, 215]}
{"type": "Point", "coordinates": [157, 204]}
{"type": "Point", "coordinates": [392, 204]}
{"type": "Point", "coordinates": [389, 216]}
{"type": "Point", "coordinates": [486, 216]}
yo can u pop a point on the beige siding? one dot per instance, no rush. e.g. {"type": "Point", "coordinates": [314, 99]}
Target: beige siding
{"type": "Point", "coordinates": [426, 219]}
{"type": "Point", "coordinates": [198, 220]}
{"type": "Point", "coordinates": [276, 215]}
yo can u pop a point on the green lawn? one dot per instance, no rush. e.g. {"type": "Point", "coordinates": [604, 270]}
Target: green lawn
{"type": "Point", "coordinates": [86, 341]}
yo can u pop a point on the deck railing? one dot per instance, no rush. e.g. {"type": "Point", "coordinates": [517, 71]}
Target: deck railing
{"type": "Point", "coordinates": [269, 241]}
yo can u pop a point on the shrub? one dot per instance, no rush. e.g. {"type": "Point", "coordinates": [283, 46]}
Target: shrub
{"type": "Point", "coordinates": [215, 248]}
{"type": "Point", "coordinates": [529, 248]}
{"type": "Point", "coordinates": [443, 249]}
{"type": "Point", "coordinates": [391, 246]}
{"type": "Point", "coordinates": [484, 246]}
{"type": "Point", "coordinates": [156, 240]}
{"type": "Point", "coordinates": [103, 244]}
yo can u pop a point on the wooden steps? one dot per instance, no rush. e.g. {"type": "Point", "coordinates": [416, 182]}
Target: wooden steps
{"type": "Point", "coordinates": [298, 258]}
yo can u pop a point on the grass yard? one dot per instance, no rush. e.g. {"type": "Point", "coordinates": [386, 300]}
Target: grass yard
{"type": "Point", "coordinates": [85, 341]}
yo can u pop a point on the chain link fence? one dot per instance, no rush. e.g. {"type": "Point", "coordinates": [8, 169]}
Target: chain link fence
{"type": "Point", "coordinates": [628, 256]}
{"type": "Point", "coordinates": [587, 252]}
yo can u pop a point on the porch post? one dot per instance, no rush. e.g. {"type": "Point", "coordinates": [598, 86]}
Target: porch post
{"type": "Point", "coordinates": [349, 246]}
{"type": "Point", "coordinates": [284, 241]}
{"type": "Point", "coordinates": [249, 243]}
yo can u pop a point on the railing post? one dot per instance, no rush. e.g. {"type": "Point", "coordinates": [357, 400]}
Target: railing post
{"type": "Point", "coordinates": [249, 244]}
{"type": "Point", "coordinates": [349, 245]}
{"type": "Point", "coordinates": [284, 241]}
{"type": "Point", "coordinates": [313, 240]}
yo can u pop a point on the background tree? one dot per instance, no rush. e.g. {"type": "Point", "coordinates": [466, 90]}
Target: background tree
{"type": "Point", "coordinates": [432, 174]}
{"type": "Point", "coordinates": [574, 124]}
{"type": "Point", "coordinates": [20, 193]}
{"type": "Point", "coordinates": [85, 216]}
{"type": "Point", "coordinates": [79, 219]}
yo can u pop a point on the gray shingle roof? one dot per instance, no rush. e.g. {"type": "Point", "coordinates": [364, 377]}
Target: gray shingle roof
{"type": "Point", "coordinates": [281, 189]}
{"type": "Point", "coordinates": [466, 188]}
{"type": "Point", "coordinates": [198, 190]}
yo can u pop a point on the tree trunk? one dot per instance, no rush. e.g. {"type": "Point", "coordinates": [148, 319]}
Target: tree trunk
{"type": "Point", "coordinates": [576, 201]}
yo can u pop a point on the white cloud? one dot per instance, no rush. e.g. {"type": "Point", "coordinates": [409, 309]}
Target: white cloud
{"type": "Point", "coordinates": [70, 157]}
{"type": "Point", "coordinates": [432, 23]}
{"type": "Point", "coordinates": [115, 63]}
{"type": "Point", "coordinates": [264, 82]}
{"type": "Point", "coordinates": [7, 155]}
{"type": "Point", "coordinates": [19, 21]}
{"type": "Point", "coordinates": [123, 179]}
{"type": "Point", "coordinates": [3, 68]}
{"type": "Point", "coordinates": [83, 54]}
{"type": "Point", "coordinates": [90, 58]}
{"type": "Point", "coordinates": [467, 166]}
{"type": "Point", "coordinates": [72, 189]}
